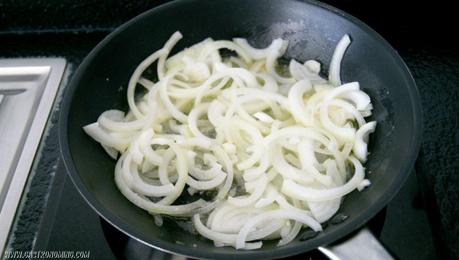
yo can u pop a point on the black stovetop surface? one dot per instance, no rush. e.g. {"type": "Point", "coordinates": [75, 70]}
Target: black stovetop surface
{"type": "Point", "coordinates": [420, 223]}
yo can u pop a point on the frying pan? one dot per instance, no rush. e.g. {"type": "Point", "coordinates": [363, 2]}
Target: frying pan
{"type": "Point", "coordinates": [313, 29]}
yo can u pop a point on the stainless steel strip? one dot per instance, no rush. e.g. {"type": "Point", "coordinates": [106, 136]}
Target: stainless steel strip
{"type": "Point", "coordinates": [40, 78]}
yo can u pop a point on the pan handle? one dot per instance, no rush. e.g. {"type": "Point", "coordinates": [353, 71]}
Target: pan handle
{"type": "Point", "coordinates": [363, 245]}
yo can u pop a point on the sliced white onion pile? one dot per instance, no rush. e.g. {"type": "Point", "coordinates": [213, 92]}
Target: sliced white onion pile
{"type": "Point", "coordinates": [280, 150]}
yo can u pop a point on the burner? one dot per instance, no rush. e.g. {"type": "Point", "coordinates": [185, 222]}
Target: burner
{"type": "Point", "coordinates": [127, 248]}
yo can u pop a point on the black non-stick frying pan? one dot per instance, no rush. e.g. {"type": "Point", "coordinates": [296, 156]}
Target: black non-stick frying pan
{"type": "Point", "coordinates": [313, 30]}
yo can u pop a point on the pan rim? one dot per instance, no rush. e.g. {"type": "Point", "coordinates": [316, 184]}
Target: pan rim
{"type": "Point", "coordinates": [284, 251]}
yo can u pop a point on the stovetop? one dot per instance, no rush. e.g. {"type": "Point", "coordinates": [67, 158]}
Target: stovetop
{"type": "Point", "coordinates": [420, 223]}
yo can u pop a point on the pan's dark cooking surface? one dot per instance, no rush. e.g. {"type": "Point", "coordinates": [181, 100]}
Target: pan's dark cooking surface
{"type": "Point", "coordinates": [417, 223]}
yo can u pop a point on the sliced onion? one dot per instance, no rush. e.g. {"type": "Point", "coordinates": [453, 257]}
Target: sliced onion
{"type": "Point", "coordinates": [275, 214]}
{"type": "Point", "coordinates": [361, 140]}
{"type": "Point", "coordinates": [261, 184]}
{"type": "Point", "coordinates": [273, 148]}
{"type": "Point", "coordinates": [335, 63]}
{"type": "Point", "coordinates": [294, 190]}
